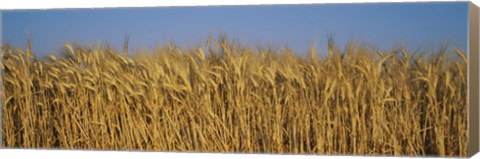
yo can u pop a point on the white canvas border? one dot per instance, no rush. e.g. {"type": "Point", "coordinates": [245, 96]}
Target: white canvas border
{"type": "Point", "coordinates": [49, 4]}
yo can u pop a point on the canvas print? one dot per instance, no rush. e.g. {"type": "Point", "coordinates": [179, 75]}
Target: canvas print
{"type": "Point", "coordinates": [320, 79]}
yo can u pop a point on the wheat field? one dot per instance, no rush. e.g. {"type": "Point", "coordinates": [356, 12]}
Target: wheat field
{"type": "Point", "coordinates": [229, 98]}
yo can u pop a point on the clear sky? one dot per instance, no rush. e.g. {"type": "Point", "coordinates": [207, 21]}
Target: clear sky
{"type": "Point", "coordinates": [414, 25]}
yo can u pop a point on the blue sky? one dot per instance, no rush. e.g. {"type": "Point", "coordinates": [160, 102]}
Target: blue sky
{"type": "Point", "coordinates": [413, 25]}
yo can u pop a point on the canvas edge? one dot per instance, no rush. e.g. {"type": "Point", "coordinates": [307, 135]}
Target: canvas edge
{"type": "Point", "coordinates": [473, 86]}
{"type": "Point", "coordinates": [1, 83]}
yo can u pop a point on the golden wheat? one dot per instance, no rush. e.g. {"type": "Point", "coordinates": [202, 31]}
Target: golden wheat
{"type": "Point", "coordinates": [231, 98]}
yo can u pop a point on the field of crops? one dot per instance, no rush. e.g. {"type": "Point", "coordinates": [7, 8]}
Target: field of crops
{"type": "Point", "coordinates": [226, 97]}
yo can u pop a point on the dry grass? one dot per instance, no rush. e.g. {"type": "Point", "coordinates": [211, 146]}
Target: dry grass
{"type": "Point", "coordinates": [229, 98]}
